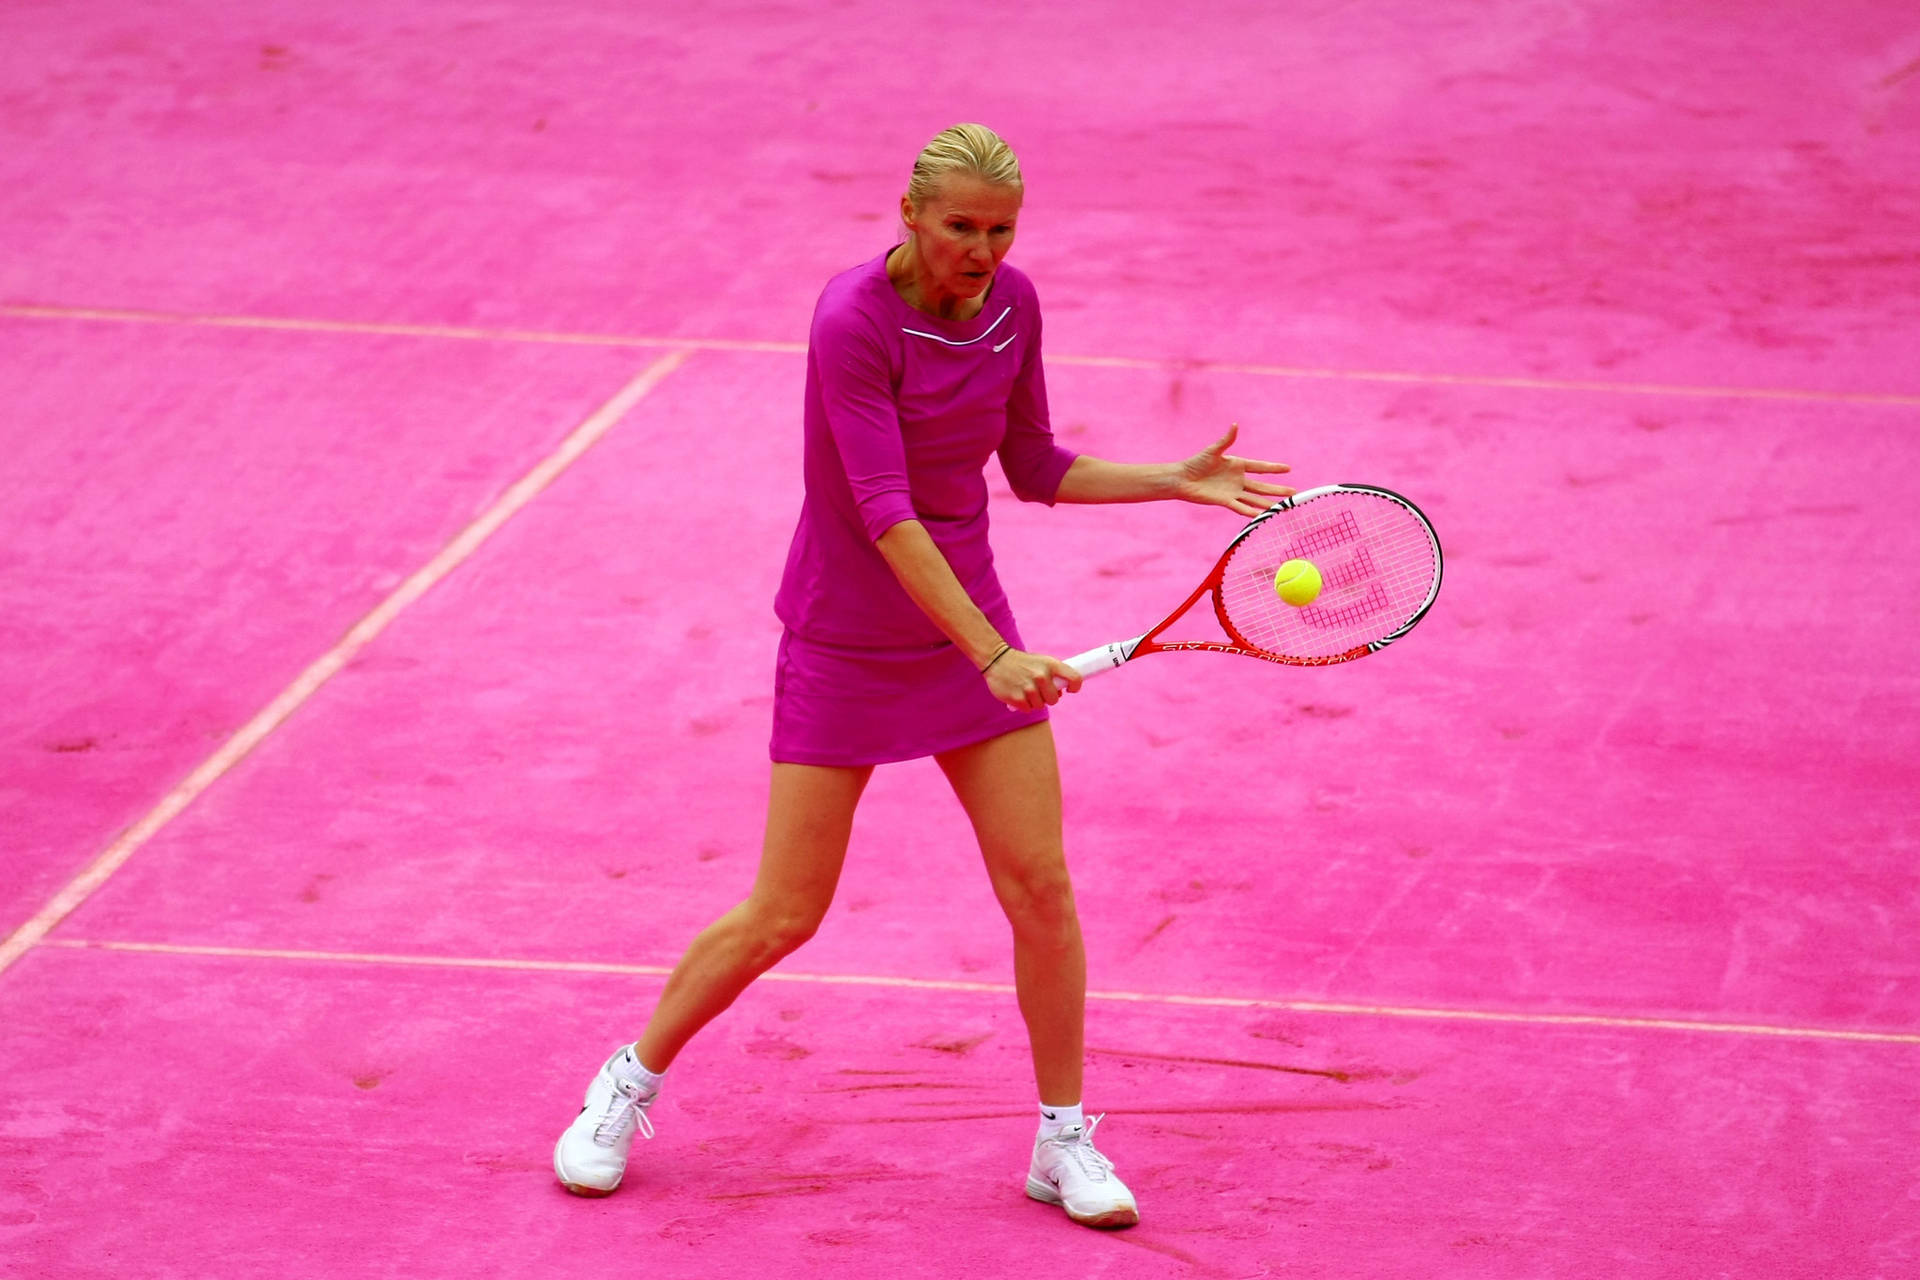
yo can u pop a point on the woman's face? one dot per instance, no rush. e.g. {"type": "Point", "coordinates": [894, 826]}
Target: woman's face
{"type": "Point", "coordinates": [961, 232]}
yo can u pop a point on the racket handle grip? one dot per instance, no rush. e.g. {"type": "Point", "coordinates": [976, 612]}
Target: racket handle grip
{"type": "Point", "coordinates": [1105, 658]}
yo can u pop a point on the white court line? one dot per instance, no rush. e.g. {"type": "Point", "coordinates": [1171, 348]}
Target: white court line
{"type": "Point", "coordinates": [459, 333]}
{"type": "Point", "coordinates": [1297, 372]}
{"type": "Point", "coordinates": [1005, 989]}
{"type": "Point", "coordinates": [1495, 380]}
{"type": "Point", "coordinates": [329, 664]}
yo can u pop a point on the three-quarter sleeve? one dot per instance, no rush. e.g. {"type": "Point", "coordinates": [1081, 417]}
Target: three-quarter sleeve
{"type": "Point", "coordinates": [857, 397]}
{"type": "Point", "coordinates": [1034, 463]}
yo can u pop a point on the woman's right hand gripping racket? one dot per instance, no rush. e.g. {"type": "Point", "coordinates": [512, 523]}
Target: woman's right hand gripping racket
{"type": "Point", "coordinates": [1379, 566]}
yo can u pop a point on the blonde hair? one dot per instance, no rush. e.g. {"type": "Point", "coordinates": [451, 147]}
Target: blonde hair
{"type": "Point", "coordinates": [964, 148]}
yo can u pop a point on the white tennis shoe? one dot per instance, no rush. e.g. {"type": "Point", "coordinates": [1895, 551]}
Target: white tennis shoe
{"type": "Point", "coordinates": [591, 1156]}
{"type": "Point", "coordinates": [1069, 1172]}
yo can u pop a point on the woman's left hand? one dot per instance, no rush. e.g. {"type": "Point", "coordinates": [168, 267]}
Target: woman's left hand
{"type": "Point", "coordinates": [1214, 476]}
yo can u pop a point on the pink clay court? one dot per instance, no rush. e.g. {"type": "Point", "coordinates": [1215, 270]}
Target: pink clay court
{"type": "Point", "coordinates": [400, 440]}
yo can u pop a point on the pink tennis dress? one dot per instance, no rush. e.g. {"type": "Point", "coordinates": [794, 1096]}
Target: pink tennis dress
{"type": "Point", "coordinates": [902, 411]}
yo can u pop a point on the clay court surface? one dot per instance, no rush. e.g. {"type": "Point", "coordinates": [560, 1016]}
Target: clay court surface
{"type": "Point", "coordinates": [399, 443]}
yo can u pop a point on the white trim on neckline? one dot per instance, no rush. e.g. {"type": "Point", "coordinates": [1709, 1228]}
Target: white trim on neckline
{"type": "Point", "coordinates": [922, 333]}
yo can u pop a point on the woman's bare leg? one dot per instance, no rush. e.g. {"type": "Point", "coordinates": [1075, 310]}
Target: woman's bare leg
{"type": "Point", "coordinates": [1010, 788]}
{"type": "Point", "coordinates": [809, 819]}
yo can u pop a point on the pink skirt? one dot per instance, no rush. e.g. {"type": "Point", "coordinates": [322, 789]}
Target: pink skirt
{"type": "Point", "coordinates": [835, 705]}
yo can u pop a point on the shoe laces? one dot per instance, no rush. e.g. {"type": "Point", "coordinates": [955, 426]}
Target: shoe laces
{"type": "Point", "coordinates": [627, 1106]}
{"type": "Point", "coordinates": [1076, 1143]}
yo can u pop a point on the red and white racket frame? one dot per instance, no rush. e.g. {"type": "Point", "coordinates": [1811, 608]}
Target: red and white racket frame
{"type": "Point", "coordinates": [1109, 656]}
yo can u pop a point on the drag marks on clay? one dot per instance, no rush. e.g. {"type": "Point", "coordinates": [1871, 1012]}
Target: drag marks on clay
{"type": "Point", "coordinates": [959, 1047]}
{"type": "Point", "coordinates": [1138, 1241]}
{"type": "Point", "coordinates": [1904, 73]}
{"type": "Point", "coordinates": [777, 1049]}
{"type": "Point", "coordinates": [814, 1183]}
{"type": "Point", "coordinates": [1347, 1155]}
{"type": "Point", "coordinates": [889, 1085]}
{"type": "Point", "coordinates": [1836, 511]}
{"type": "Point", "coordinates": [1281, 1031]}
{"type": "Point", "coordinates": [1141, 1055]}
{"type": "Point", "coordinates": [1633, 471]}
{"type": "Point", "coordinates": [1196, 891]}
{"type": "Point", "coordinates": [1208, 1109]}
{"type": "Point", "coordinates": [1154, 933]}
{"type": "Point", "coordinates": [508, 1162]}
{"type": "Point", "coordinates": [1127, 566]}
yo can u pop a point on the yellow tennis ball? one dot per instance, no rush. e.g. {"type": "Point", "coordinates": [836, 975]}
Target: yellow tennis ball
{"type": "Point", "coordinates": [1297, 582]}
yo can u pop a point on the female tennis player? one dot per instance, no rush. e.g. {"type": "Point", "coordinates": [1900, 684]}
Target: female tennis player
{"type": "Point", "coordinates": [900, 643]}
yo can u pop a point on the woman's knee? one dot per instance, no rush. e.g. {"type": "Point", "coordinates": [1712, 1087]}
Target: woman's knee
{"type": "Point", "coordinates": [777, 929]}
{"type": "Point", "coordinates": [1039, 904]}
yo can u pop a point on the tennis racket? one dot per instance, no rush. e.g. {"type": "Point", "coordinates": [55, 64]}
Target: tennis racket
{"type": "Point", "coordinates": [1379, 564]}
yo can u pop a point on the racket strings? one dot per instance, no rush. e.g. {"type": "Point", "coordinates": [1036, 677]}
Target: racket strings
{"type": "Point", "coordinates": [1342, 528]}
{"type": "Point", "coordinates": [1354, 572]}
{"type": "Point", "coordinates": [1352, 611]}
{"type": "Point", "coordinates": [1377, 564]}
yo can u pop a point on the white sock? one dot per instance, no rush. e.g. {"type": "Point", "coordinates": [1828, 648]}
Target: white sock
{"type": "Point", "coordinates": [628, 1067]}
{"type": "Point", "coordinates": [1054, 1119]}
